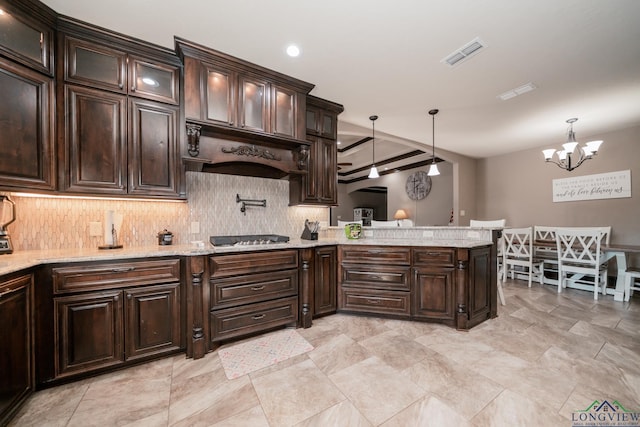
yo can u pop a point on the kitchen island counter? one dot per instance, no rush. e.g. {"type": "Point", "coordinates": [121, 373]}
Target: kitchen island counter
{"type": "Point", "coordinates": [21, 260]}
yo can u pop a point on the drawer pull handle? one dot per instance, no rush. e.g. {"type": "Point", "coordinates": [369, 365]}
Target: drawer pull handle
{"type": "Point", "coordinates": [375, 251]}
{"type": "Point", "coordinates": [258, 316]}
{"type": "Point", "coordinates": [376, 277]}
{"type": "Point", "coordinates": [122, 270]}
{"type": "Point", "coordinates": [257, 288]}
{"type": "Point", "coordinates": [373, 301]}
{"type": "Point", "coordinates": [433, 253]}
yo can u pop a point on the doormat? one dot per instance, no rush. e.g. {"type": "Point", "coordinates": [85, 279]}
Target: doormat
{"type": "Point", "coordinates": [263, 351]}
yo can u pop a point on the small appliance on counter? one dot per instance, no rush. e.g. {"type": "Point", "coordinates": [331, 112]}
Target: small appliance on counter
{"type": "Point", "coordinates": [165, 237]}
{"type": "Point", "coordinates": [112, 227]}
{"type": "Point", "coordinates": [7, 216]}
{"type": "Point", "coordinates": [310, 231]}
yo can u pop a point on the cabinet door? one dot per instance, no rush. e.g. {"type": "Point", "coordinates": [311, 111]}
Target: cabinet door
{"type": "Point", "coordinates": [95, 65]}
{"type": "Point", "coordinates": [433, 293]}
{"type": "Point", "coordinates": [96, 141]}
{"type": "Point", "coordinates": [283, 111]}
{"type": "Point", "coordinates": [221, 92]}
{"type": "Point", "coordinates": [321, 122]}
{"type": "Point", "coordinates": [325, 281]}
{"type": "Point", "coordinates": [88, 332]}
{"type": "Point", "coordinates": [27, 41]}
{"type": "Point", "coordinates": [252, 105]}
{"type": "Point", "coordinates": [27, 127]}
{"type": "Point", "coordinates": [16, 381]}
{"type": "Point", "coordinates": [154, 168]}
{"type": "Point", "coordinates": [479, 298]}
{"type": "Point", "coordinates": [152, 319]}
{"type": "Point", "coordinates": [154, 81]}
{"type": "Point", "coordinates": [327, 171]}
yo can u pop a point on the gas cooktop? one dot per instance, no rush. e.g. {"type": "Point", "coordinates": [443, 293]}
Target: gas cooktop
{"type": "Point", "coordinates": [248, 239]}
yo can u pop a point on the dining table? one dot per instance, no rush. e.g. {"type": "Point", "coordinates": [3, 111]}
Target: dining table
{"type": "Point", "coordinates": [612, 250]}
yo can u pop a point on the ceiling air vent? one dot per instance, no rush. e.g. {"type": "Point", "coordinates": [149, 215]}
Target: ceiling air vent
{"type": "Point", "coordinates": [465, 52]}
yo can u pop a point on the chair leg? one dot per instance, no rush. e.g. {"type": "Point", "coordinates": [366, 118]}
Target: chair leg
{"type": "Point", "coordinates": [501, 293]}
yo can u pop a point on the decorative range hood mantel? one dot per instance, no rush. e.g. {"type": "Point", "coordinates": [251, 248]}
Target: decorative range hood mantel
{"type": "Point", "coordinates": [238, 154]}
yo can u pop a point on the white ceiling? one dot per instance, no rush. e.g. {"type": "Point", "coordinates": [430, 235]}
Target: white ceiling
{"type": "Point", "coordinates": [384, 58]}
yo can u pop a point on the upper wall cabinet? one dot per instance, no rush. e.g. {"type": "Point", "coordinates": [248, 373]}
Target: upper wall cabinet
{"type": "Point", "coordinates": [120, 126]}
{"type": "Point", "coordinates": [229, 96]}
{"type": "Point", "coordinates": [27, 110]}
{"type": "Point", "coordinates": [26, 34]}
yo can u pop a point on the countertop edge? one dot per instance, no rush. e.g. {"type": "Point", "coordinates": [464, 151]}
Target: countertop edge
{"type": "Point", "coordinates": [23, 260]}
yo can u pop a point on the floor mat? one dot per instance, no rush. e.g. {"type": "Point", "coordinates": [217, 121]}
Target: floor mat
{"type": "Point", "coordinates": [262, 351]}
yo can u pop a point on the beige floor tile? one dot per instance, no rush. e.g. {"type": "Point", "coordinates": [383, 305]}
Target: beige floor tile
{"type": "Point", "coordinates": [208, 398]}
{"type": "Point", "coordinates": [338, 353]}
{"type": "Point", "coordinates": [395, 349]}
{"type": "Point", "coordinates": [291, 395]}
{"type": "Point", "coordinates": [512, 409]}
{"type": "Point", "coordinates": [376, 389]}
{"type": "Point", "coordinates": [341, 414]}
{"type": "Point", "coordinates": [52, 406]}
{"type": "Point", "coordinates": [448, 380]}
{"type": "Point", "coordinates": [429, 411]}
{"type": "Point", "coordinates": [253, 417]}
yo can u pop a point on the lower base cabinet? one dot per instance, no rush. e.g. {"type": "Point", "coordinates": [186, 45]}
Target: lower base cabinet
{"type": "Point", "coordinates": [110, 314]}
{"type": "Point", "coordinates": [16, 338]}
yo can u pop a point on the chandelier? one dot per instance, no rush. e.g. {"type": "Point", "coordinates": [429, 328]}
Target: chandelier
{"type": "Point", "coordinates": [566, 157]}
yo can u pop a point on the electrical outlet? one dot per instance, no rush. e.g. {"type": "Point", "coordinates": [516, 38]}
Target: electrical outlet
{"type": "Point", "coordinates": [368, 233]}
{"type": "Point", "coordinates": [95, 228]}
{"type": "Point", "coordinates": [463, 212]}
{"type": "Point", "coordinates": [195, 227]}
{"type": "Point", "coordinates": [473, 234]}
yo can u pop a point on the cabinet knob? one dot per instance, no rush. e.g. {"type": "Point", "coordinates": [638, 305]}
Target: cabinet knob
{"type": "Point", "coordinates": [128, 296]}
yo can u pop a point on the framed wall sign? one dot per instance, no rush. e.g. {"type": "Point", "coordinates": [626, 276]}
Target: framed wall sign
{"type": "Point", "coordinates": [611, 185]}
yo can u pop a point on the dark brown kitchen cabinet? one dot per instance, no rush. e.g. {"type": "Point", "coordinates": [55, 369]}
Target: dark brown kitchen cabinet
{"type": "Point", "coordinates": [96, 141]}
{"type": "Point", "coordinates": [16, 336]}
{"type": "Point", "coordinates": [319, 186]}
{"type": "Point", "coordinates": [27, 151]}
{"type": "Point", "coordinates": [226, 94]}
{"type": "Point", "coordinates": [27, 34]}
{"type": "Point", "coordinates": [88, 332]}
{"type": "Point", "coordinates": [153, 148]}
{"type": "Point", "coordinates": [120, 131]}
{"type": "Point", "coordinates": [108, 314]}
{"type": "Point", "coordinates": [325, 286]}
{"type": "Point", "coordinates": [103, 66]}
{"type": "Point", "coordinates": [433, 293]}
{"type": "Point", "coordinates": [251, 292]}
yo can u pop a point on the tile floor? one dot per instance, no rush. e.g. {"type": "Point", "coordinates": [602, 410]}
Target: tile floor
{"type": "Point", "coordinates": [545, 356]}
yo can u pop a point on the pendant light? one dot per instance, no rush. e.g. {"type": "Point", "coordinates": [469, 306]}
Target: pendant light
{"type": "Point", "coordinates": [373, 173]}
{"type": "Point", "coordinates": [433, 169]}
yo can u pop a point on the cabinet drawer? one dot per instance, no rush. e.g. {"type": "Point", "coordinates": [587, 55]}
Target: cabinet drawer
{"type": "Point", "coordinates": [434, 256]}
{"type": "Point", "coordinates": [375, 254]}
{"type": "Point", "coordinates": [254, 262]}
{"type": "Point", "coordinates": [374, 276]}
{"type": "Point", "coordinates": [232, 322]}
{"type": "Point", "coordinates": [375, 301]}
{"type": "Point", "coordinates": [114, 275]}
{"type": "Point", "coordinates": [253, 288]}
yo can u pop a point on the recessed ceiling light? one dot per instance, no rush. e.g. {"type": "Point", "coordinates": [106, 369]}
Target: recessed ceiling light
{"type": "Point", "coordinates": [293, 50]}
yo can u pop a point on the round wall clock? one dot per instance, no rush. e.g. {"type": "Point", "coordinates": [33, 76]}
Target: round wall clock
{"type": "Point", "coordinates": [418, 185]}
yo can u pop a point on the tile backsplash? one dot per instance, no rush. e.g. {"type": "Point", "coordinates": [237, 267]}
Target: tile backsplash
{"type": "Point", "coordinates": [64, 223]}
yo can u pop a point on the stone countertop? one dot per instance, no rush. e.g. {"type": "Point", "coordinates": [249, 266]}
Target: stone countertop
{"type": "Point", "coordinates": [21, 260]}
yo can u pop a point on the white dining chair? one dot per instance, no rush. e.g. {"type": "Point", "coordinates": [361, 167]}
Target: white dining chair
{"type": "Point", "coordinates": [494, 223]}
{"type": "Point", "coordinates": [547, 254]}
{"type": "Point", "coordinates": [630, 276]}
{"type": "Point", "coordinates": [517, 257]}
{"type": "Point", "coordinates": [580, 259]}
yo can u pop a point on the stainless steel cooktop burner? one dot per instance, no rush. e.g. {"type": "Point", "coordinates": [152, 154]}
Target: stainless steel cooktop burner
{"type": "Point", "coordinates": [248, 239]}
